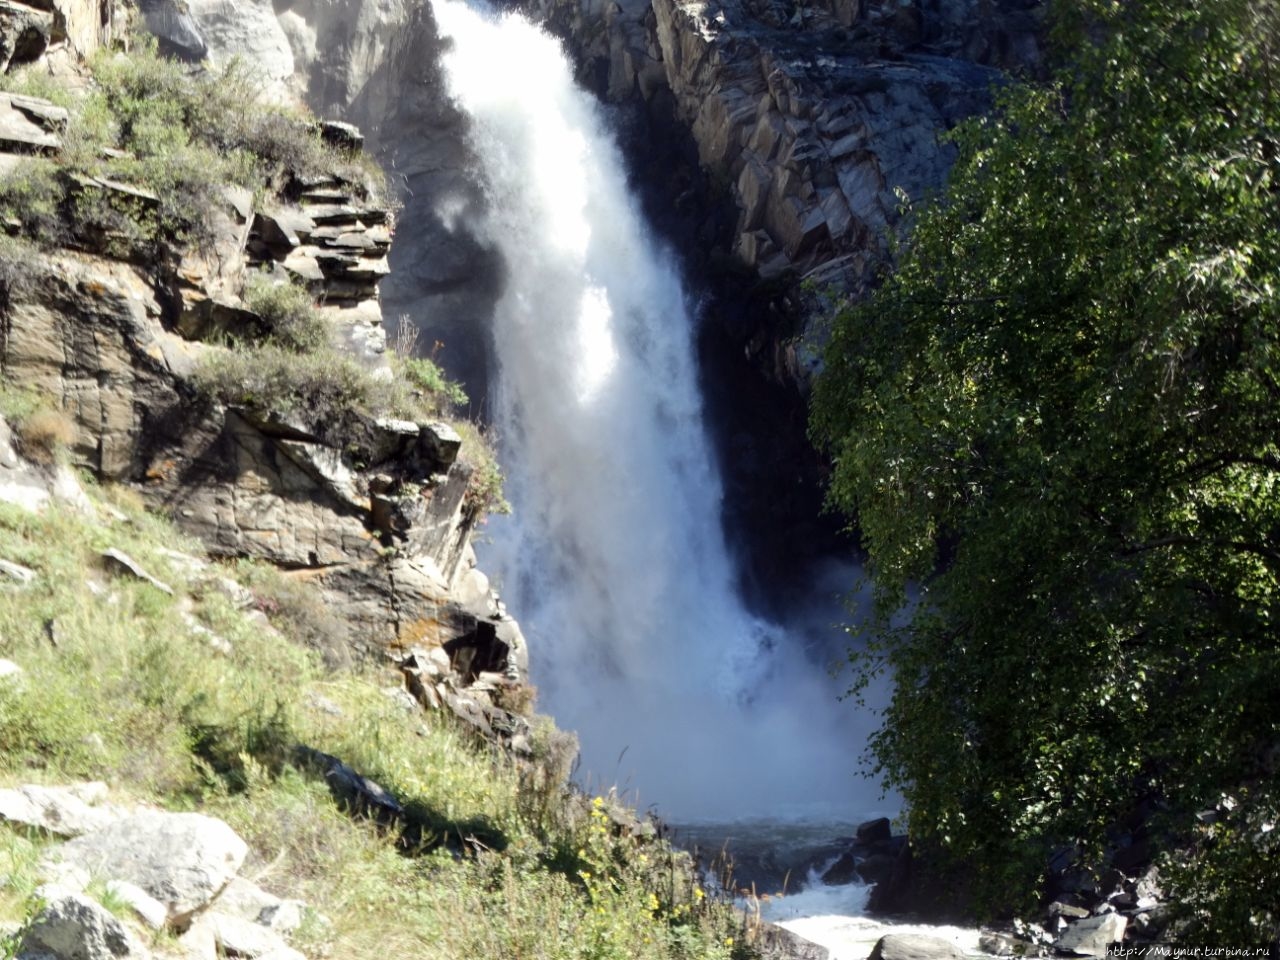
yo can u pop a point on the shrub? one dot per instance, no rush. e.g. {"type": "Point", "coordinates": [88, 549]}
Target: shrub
{"type": "Point", "coordinates": [32, 197]}
{"type": "Point", "coordinates": [484, 490]}
{"type": "Point", "coordinates": [437, 392]}
{"type": "Point", "coordinates": [288, 312]}
{"type": "Point", "coordinates": [325, 384]}
{"type": "Point", "coordinates": [44, 433]}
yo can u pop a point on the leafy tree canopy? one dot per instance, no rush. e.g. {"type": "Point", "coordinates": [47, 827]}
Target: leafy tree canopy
{"type": "Point", "coordinates": [1060, 417]}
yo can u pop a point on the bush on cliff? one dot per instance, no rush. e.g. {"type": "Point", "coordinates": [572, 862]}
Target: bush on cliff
{"type": "Point", "coordinates": [179, 134]}
{"type": "Point", "coordinates": [1058, 418]}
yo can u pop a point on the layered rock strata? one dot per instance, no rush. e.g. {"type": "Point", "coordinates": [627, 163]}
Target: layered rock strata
{"type": "Point", "coordinates": [373, 511]}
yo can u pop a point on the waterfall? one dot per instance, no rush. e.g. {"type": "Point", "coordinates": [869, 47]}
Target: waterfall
{"type": "Point", "coordinates": [613, 558]}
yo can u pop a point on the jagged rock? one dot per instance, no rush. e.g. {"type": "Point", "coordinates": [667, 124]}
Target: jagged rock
{"type": "Point", "coordinates": [441, 443]}
{"type": "Point", "coordinates": [286, 227]}
{"type": "Point", "coordinates": [27, 124]}
{"type": "Point", "coordinates": [74, 927]}
{"type": "Point", "coordinates": [1090, 937]}
{"type": "Point", "coordinates": [236, 937]}
{"type": "Point", "coordinates": [346, 136]}
{"type": "Point", "coordinates": [25, 32]}
{"type": "Point", "coordinates": [843, 871]}
{"type": "Point", "coordinates": [248, 901]}
{"type": "Point", "coordinates": [211, 275]}
{"type": "Point", "coordinates": [874, 831]}
{"type": "Point", "coordinates": [88, 331]}
{"type": "Point", "coordinates": [356, 792]}
{"type": "Point", "coordinates": [176, 30]}
{"type": "Point", "coordinates": [910, 946]}
{"type": "Point", "coordinates": [1071, 911]}
{"type": "Point", "coordinates": [1004, 945]}
{"type": "Point", "coordinates": [182, 859]}
{"type": "Point", "coordinates": [119, 562]}
{"type": "Point", "coordinates": [778, 943]}
{"type": "Point", "coordinates": [66, 811]}
{"type": "Point", "coordinates": [15, 574]}
{"type": "Point", "coordinates": [146, 907]}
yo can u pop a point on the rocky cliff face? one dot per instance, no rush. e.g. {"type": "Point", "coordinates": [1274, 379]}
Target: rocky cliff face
{"type": "Point", "coordinates": [778, 141]}
{"type": "Point", "coordinates": [820, 121]}
{"type": "Point", "coordinates": [375, 511]}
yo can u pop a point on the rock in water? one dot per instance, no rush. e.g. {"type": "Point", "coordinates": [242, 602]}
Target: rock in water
{"type": "Point", "coordinates": [910, 946]}
{"type": "Point", "coordinates": [1091, 937]}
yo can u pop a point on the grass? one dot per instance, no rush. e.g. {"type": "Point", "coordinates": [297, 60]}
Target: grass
{"type": "Point", "coordinates": [42, 431]}
{"type": "Point", "coordinates": [181, 134]}
{"type": "Point", "coordinates": [507, 861]}
{"type": "Point", "coordinates": [288, 312]}
{"type": "Point", "coordinates": [184, 137]}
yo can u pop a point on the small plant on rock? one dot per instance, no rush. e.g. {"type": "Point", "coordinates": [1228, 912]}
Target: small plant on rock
{"type": "Point", "coordinates": [288, 312]}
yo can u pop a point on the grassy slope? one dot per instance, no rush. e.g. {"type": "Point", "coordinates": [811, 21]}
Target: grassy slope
{"type": "Point", "coordinates": [132, 694]}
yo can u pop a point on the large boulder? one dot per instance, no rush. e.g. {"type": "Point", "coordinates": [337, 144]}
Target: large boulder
{"type": "Point", "coordinates": [1092, 936]}
{"type": "Point", "coordinates": [74, 927]}
{"type": "Point", "coordinates": [67, 811]}
{"type": "Point", "coordinates": [248, 30]}
{"type": "Point", "coordinates": [183, 860]}
{"type": "Point", "coordinates": [913, 946]}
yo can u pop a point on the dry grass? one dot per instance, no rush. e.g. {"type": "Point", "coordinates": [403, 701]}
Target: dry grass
{"type": "Point", "coordinates": [44, 434]}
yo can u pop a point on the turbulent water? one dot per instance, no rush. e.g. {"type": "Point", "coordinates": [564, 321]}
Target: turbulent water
{"type": "Point", "coordinates": [613, 558]}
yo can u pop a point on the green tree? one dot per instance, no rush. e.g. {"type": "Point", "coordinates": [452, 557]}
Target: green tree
{"type": "Point", "coordinates": [1060, 418]}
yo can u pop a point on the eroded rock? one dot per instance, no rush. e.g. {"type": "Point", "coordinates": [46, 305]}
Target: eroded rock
{"type": "Point", "coordinates": [911, 946]}
{"type": "Point", "coordinates": [74, 927]}
{"type": "Point", "coordinates": [66, 811]}
{"type": "Point", "coordinates": [183, 860]}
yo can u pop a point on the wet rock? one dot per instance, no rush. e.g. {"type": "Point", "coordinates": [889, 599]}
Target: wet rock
{"type": "Point", "coordinates": [844, 870]}
{"type": "Point", "coordinates": [1005, 945]}
{"type": "Point", "coordinates": [908, 946]}
{"type": "Point", "coordinates": [1090, 937]}
{"type": "Point", "coordinates": [874, 832]}
{"type": "Point", "coordinates": [1060, 909]}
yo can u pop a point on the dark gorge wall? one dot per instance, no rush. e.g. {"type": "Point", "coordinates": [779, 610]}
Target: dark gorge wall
{"type": "Point", "coordinates": [771, 143]}
{"type": "Point", "coordinates": [774, 145]}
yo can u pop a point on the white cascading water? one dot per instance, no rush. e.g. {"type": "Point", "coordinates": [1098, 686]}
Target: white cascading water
{"type": "Point", "coordinates": [614, 559]}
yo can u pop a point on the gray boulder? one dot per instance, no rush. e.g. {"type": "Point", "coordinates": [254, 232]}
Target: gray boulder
{"type": "Point", "coordinates": [183, 860]}
{"type": "Point", "coordinates": [1092, 936]}
{"type": "Point", "coordinates": [65, 811]}
{"type": "Point", "coordinates": [248, 901]}
{"type": "Point", "coordinates": [911, 946]}
{"type": "Point", "coordinates": [73, 927]}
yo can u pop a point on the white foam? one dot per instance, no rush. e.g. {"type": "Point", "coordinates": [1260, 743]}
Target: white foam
{"type": "Point", "coordinates": [614, 559]}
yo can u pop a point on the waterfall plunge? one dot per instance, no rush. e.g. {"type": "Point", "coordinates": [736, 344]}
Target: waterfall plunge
{"type": "Point", "coordinates": [614, 559]}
